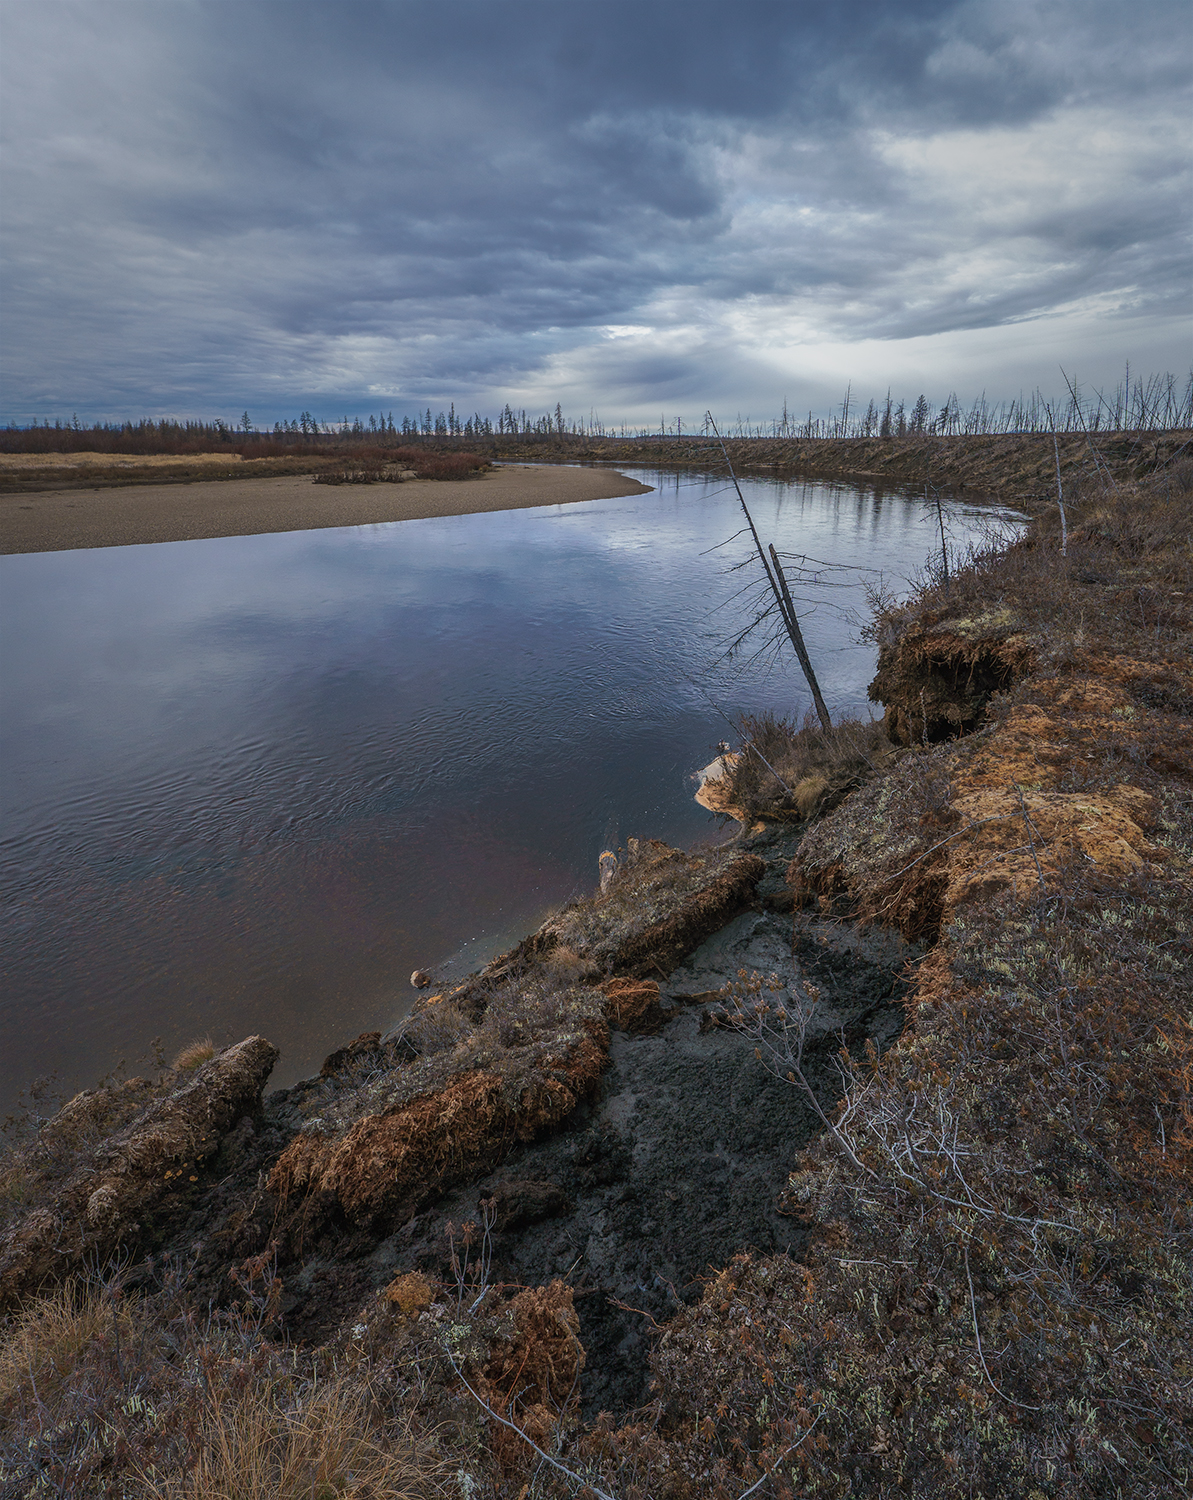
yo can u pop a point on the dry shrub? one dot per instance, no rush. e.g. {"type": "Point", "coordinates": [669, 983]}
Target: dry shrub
{"type": "Point", "coordinates": [793, 774]}
{"type": "Point", "coordinates": [382, 465]}
{"type": "Point", "coordinates": [437, 1024]}
{"type": "Point", "coordinates": [533, 1372]}
{"type": "Point", "coordinates": [410, 1293]}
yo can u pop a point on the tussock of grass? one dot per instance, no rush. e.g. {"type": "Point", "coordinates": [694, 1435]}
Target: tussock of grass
{"type": "Point", "coordinates": [265, 1447]}
{"type": "Point", "coordinates": [193, 1055]}
{"type": "Point", "coordinates": [794, 774]}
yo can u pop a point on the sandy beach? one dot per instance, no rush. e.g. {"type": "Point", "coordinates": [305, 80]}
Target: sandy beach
{"type": "Point", "coordinates": [62, 520]}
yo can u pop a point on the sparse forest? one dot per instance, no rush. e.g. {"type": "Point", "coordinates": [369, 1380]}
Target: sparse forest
{"type": "Point", "coordinates": [1153, 403]}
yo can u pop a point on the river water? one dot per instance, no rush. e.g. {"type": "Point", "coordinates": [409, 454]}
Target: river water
{"type": "Point", "coordinates": [251, 783]}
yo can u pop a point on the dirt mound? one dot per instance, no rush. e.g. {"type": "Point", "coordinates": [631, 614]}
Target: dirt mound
{"type": "Point", "coordinates": [936, 678]}
{"type": "Point", "coordinates": [658, 905]}
{"type": "Point", "coordinates": [119, 1186]}
{"type": "Point", "coordinates": [388, 1164]}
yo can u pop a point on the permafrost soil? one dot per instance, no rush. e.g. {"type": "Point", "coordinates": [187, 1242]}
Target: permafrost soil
{"type": "Point", "coordinates": [676, 1163]}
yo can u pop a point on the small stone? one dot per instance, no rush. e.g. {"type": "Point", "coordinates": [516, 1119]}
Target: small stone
{"type": "Point", "coordinates": [420, 979]}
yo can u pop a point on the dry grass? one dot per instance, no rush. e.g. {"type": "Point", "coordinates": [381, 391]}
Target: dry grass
{"type": "Point", "coordinates": [793, 775]}
{"type": "Point", "coordinates": [265, 1447]}
{"type": "Point", "coordinates": [193, 1055]}
{"type": "Point", "coordinates": [107, 1393]}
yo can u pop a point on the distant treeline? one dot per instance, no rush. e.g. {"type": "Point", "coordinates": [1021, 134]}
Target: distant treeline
{"type": "Point", "coordinates": [1156, 403]}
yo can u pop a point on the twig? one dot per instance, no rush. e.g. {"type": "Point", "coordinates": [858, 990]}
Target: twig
{"type": "Point", "coordinates": [1031, 828]}
{"type": "Point", "coordinates": [786, 1453]}
{"type": "Point", "coordinates": [641, 1311]}
{"type": "Point", "coordinates": [513, 1427]}
{"type": "Point", "coordinates": [973, 1308]}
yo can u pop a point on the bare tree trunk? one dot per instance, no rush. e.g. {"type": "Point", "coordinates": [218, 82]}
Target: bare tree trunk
{"type": "Point", "coordinates": [778, 585]}
{"type": "Point", "coordinates": [797, 640]}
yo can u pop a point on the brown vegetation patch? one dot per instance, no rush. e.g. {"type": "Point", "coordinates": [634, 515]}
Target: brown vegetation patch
{"type": "Point", "coordinates": [532, 1374]}
{"type": "Point", "coordinates": [634, 1005]}
{"type": "Point", "coordinates": [392, 466]}
{"type": "Point", "coordinates": [388, 1164]}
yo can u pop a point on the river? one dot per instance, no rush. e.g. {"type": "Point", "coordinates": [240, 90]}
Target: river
{"type": "Point", "coordinates": [250, 783]}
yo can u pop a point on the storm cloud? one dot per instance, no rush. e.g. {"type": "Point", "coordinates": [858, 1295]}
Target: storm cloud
{"type": "Point", "coordinates": [638, 208]}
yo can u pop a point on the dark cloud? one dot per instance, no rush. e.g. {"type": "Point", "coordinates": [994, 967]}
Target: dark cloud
{"type": "Point", "coordinates": [281, 205]}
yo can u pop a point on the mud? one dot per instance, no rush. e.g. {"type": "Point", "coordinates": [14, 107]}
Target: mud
{"type": "Point", "coordinates": [672, 1167]}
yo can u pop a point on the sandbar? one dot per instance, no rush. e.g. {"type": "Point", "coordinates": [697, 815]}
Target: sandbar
{"type": "Point", "coordinates": [63, 520]}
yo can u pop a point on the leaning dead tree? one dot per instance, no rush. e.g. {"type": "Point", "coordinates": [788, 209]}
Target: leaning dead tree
{"type": "Point", "coordinates": [777, 580]}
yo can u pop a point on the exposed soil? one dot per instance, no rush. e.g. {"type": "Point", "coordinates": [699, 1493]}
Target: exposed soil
{"type": "Point", "coordinates": [669, 1171]}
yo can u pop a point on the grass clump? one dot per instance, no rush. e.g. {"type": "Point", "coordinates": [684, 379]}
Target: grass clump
{"type": "Point", "coordinates": [794, 774]}
{"type": "Point", "coordinates": [194, 1055]}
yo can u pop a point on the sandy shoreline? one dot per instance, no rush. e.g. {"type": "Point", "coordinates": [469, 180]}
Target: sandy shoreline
{"type": "Point", "coordinates": [63, 520]}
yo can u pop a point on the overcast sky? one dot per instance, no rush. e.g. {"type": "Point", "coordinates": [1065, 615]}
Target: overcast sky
{"type": "Point", "coordinates": [641, 208]}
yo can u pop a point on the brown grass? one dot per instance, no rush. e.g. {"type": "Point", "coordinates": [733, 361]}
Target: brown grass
{"type": "Point", "coordinates": [262, 1446]}
{"type": "Point", "coordinates": [109, 1394]}
{"type": "Point", "coordinates": [193, 1055]}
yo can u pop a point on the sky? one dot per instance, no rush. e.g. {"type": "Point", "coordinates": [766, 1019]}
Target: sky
{"type": "Point", "coordinates": [639, 210]}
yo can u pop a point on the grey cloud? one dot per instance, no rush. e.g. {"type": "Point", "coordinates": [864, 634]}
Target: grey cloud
{"type": "Point", "coordinates": [208, 206]}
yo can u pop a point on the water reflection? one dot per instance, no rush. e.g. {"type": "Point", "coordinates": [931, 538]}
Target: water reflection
{"type": "Point", "coordinates": [252, 782]}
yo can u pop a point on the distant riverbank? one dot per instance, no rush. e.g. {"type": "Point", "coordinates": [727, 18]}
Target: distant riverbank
{"type": "Point", "coordinates": [1010, 467]}
{"type": "Point", "coordinates": [61, 520]}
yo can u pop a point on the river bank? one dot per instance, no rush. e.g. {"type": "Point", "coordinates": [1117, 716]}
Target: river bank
{"type": "Point", "coordinates": [130, 514]}
{"type": "Point", "coordinates": [596, 1176]}
{"type": "Point", "coordinates": [1009, 467]}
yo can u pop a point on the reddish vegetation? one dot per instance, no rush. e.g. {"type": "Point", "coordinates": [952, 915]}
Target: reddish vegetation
{"type": "Point", "coordinates": [389, 1164]}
